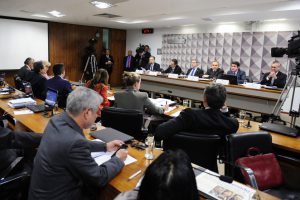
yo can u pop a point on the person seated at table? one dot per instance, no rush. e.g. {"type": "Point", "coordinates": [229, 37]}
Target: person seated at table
{"type": "Point", "coordinates": [211, 120]}
{"type": "Point", "coordinates": [100, 84]}
{"type": "Point", "coordinates": [38, 81]}
{"type": "Point", "coordinates": [132, 98]}
{"type": "Point", "coordinates": [195, 70]}
{"type": "Point", "coordinates": [236, 71]}
{"type": "Point", "coordinates": [60, 84]}
{"type": "Point", "coordinates": [47, 65]}
{"type": "Point", "coordinates": [152, 66]}
{"type": "Point", "coordinates": [173, 68]}
{"type": "Point", "coordinates": [215, 71]}
{"type": "Point", "coordinates": [275, 77]}
{"type": "Point", "coordinates": [63, 166]}
{"type": "Point", "coordinates": [170, 177]}
{"type": "Point", "coordinates": [25, 72]}
{"type": "Point", "coordinates": [17, 144]}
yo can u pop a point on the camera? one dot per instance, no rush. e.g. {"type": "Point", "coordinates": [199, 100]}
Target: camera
{"type": "Point", "coordinates": [292, 51]}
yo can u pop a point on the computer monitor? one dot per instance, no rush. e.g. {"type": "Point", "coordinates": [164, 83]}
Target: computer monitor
{"type": "Point", "coordinates": [51, 97]}
{"type": "Point", "coordinates": [232, 79]}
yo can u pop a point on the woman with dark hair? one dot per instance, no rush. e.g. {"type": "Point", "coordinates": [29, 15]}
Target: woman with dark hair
{"type": "Point", "coordinates": [38, 81]}
{"type": "Point", "coordinates": [100, 84]}
{"type": "Point", "coordinates": [169, 177]}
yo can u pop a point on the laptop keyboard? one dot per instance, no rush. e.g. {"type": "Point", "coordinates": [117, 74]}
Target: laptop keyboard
{"type": "Point", "coordinates": [36, 108]}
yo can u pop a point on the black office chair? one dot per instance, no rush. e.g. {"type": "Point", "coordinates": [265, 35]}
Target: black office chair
{"type": "Point", "coordinates": [124, 120]}
{"type": "Point", "coordinates": [18, 83]}
{"type": "Point", "coordinates": [249, 79]}
{"type": "Point", "coordinates": [237, 146]}
{"type": "Point", "coordinates": [202, 149]}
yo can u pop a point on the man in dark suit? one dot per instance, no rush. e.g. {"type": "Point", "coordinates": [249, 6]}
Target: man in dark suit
{"type": "Point", "coordinates": [107, 62]}
{"type": "Point", "coordinates": [25, 72]}
{"type": "Point", "coordinates": [146, 56]}
{"type": "Point", "coordinates": [63, 166]}
{"type": "Point", "coordinates": [195, 70]}
{"type": "Point", "coordinates": [128, 62]}
{"type": "Point", "coordinates": [208, 121]}
{"type": "Point", "coordinates": [275, 77]}
{"type": "Point", "coordinates": [38, 81]}
{"type": "Point", "coordinates": [236, 71]}
{"type": "Point", "coordinates": [60, 84]}
{"type": "Point", "coordinates": [152, 66]}
{"type": "Point", "coordinates": [173, 68]}
{"type": "Point", "coordinates": [215, 71]}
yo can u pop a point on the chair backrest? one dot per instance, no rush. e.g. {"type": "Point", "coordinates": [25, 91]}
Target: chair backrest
{"type": "Point", "coordinates": [18, 82]}
{"type": "Point", "coordinates": [249, 79]}
{"type": "Point", "coordinates": [237, 146]}
{"type": "Point", "coordinates": [124, 120]}
{"type": "Point", "coordinates": [202, 149]}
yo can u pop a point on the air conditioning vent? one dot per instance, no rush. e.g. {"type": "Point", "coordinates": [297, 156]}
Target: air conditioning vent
{"type": "Point", "coordinates": [107, 15]}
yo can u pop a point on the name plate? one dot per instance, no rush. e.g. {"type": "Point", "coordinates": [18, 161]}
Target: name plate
{"type": "Point", "coordinates": [193, 78]}
{"type": "Point", "coordinates": [172, 75]}
{"type": "Point", "coordinates": [222, 81]}
{"type": "Point", "coordinates": [151, 73]}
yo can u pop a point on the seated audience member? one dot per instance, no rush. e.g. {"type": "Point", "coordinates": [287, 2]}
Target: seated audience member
{"type": "Point", "coordinates": [236, 71]}
{"type": "Point", "coordinates": [132, 98]}
{"type": "Point", "coordinates": [128, 62]}
{"type": "Point", "coordinates": [47, 65]}
{"type": "Point", "coordinates": [63, 166]}
{"type": "Point", "coordinates": [275, 77]}
{"type": "Point", "coordinates": [195, 70]}
{"type": "Point", "coordinates": [99, 84]}
{"type": "Point", "coordinates": [173, 68]}
{"type": "Point", "coordinates": [152, 66]}
{"type": "Point", "coordinates": [169, 177]}
{"type": "Point", "coordinates": [208, 121]}
{"type": "Point", "coordinates": [60, 84]}
{"type": "Point", "coordinates": [38, 81]}
{"type": "Point", "coordinates": [215, 71]}
{"type": "Point", "coordinates": [17, 144]}
{"type": "Point", "coordinates": [25, 72]}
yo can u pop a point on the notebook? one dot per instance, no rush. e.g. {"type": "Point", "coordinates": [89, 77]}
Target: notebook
{"type": "Point", "coordinates": [110, 134]}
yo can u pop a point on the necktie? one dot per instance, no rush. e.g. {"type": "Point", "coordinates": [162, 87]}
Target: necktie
{"type": "Point", "coordinates": [128, 62]}
{"type": "Point", "coordinates": [272, 81]}
{"type": "Point", "coordinates": [151, 68]}
{"type": "Point", "coordinates": [193, 72]}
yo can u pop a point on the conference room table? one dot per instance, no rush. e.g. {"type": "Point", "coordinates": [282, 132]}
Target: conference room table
{"type": "Point", "coordinates": [37, 123]}
{"type": "Point", "coordinates": [238, 96]}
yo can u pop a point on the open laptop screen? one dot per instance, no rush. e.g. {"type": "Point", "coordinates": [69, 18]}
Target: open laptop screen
{"type": "Point", "coordinates": [51, 97]}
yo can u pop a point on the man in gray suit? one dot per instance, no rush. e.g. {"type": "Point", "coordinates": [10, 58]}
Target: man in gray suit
{"type": "Point", "coordinates": [63, 167]}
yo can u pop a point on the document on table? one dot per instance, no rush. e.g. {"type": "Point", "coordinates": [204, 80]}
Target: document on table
{"type": "Point", "coordinates": [161, 101]}
{"type": "Point", "coordinates": [23, 112]}
{"type": "Point", "coordinates": [176, 114]}
{"type": "Point", "coordinates": [102, 157]}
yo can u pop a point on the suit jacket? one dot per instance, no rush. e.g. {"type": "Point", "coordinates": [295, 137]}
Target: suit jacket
{"type": "Point", "coordinates": [177, 70]}
{"type": "Point", "coordinates": [38, 83]}
{"type": "Point", "coordinates": [217, 74]}
{"type": "Point", "coordinates": [132, 99]}
{"type": "Point", "coordinates": [156, 67]}
{"type": "Point", "coordinates": [279, 82]}
{"type": "Point", "coordinates": [63, 166]}
{"type": "Point", "coordinates": [15, 144]}
{"type": "Point", "coordinates": [132, 64]}
{"type": "Point", "coordinates": [199, 72]}
{"type": "Point", "coordinates": [103, 60]}
{"type": "Point", "coordinates": [208, 121]}
{"type": "Point", "coordinates": [145, 58]}
{"type": "Point", "coordinates": [241, 76]}
{"type": "Point", "coordinates": [138, 62]}
{"type": "Point", "coordinates": [25, 74]}
{"type": "Point", "coordinates": [62, 86]}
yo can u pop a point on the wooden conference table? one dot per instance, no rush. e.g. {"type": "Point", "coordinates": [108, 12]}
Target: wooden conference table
{"type": "Point", "coordinates": [256, 100]}
{"type": "Point", "coordinates": [37, 122]}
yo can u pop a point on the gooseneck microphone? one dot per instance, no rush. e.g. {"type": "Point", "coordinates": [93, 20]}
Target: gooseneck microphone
{"type": "Point", "coordinates": [223, 178]}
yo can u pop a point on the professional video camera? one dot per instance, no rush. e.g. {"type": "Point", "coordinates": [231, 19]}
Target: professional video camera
{"type": "Point", "coordinates": [91, 50]}
{"type": "Point", "coordinates": [292, 51]}
{"type": "Point", "coordinates": [140, 48]}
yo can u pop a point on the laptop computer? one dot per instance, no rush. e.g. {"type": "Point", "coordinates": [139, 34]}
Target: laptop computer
{"type": "Point", "coordinates": [279, 128]}
{"type": "Point", "coordinates": [232, 79]}
{"type": "Point", "coordinates": [50, 101]}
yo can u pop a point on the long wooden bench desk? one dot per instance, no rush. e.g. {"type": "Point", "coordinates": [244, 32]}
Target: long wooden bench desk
{"type": "Point", "coordinates": [37, 122]}
{"type": "Point", "coordinates": [256, 100]}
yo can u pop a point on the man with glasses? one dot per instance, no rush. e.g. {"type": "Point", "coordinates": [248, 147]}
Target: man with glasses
{"type": "Point", "coordinates": [195, 70]}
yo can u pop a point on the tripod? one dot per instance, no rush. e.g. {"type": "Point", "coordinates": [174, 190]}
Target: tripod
{"type": "Point", "coordinates": [92, 62]}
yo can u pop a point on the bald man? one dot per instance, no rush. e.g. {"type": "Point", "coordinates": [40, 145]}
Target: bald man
{"type": "Point", "coordinates": [215, 71]}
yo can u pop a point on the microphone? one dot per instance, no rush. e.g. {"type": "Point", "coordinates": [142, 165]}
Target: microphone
{"type": "Point", "coordinates": [248, 125]}
{"type": "Point", "coordinates": [223, 178]}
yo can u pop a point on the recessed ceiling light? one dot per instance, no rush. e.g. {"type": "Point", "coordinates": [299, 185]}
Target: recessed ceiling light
{"type": "Point", "coordinates": [275, 20]}
{"type": "Point", "coordinates": [40, 15]}
{"type": "Point", "coordinates": [56, 13]}
{"type": "Point", "coordinates": [131, 22]}
{"type": "Point", "coordinates": [101, 5]}
{"type": "Point", "coordinates": [172, 18]}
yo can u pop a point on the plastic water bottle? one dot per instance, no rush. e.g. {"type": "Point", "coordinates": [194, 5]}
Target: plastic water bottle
{"type": "Point", "coordinates": [150, 145]}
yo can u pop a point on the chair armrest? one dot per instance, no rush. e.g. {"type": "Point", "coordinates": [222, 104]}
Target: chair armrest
{"type": "Point", "coordinates": [251, 176]}
{"type": "Point", "coordinates": [18, 176]}
{"type": "Point", "coordinates": [10, 167]}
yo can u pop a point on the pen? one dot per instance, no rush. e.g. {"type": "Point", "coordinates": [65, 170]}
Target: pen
{"type": "Point", "coordinates": [135, 174]}
{"type": "Point", "coordinates": [114, 154]}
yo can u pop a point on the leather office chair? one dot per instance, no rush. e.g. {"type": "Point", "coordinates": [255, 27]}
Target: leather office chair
{"type": "Point", "coordinates": [237, 146]}
{"type": "Point", "coordinates": [124, 120]}
{"type": "Point", "coordinates": [18, 83]}
{"type": "Point", "coordinates": [249, 79]}
{"type": "Point", "coordinates": [202, 149]}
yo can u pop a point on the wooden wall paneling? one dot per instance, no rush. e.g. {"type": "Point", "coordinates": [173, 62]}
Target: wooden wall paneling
{"type": "Point", "coordinates": [118, 50]}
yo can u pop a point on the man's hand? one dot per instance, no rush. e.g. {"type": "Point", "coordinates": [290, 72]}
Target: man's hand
{"type": "Point", "coordinates": [113, 145]}
{"type": "Point", "coordinates": [122, 154]}
{"type": "Point", "coordinates": [272, 74]}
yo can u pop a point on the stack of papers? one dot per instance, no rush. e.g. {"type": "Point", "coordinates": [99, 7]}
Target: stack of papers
{"type": "Point", "coordinates": [162, 102]}
{"type": "Point", "coordinates": [22, 102]}
{"type": "Point", "coordinates": [102, 157]}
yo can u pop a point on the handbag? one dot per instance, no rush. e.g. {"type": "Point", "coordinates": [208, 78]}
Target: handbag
{"type": "Point", "coordinates": [266, 168]}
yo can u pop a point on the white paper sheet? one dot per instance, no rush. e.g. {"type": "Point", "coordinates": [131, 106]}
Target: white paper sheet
{"type": "Point", "coordinates": [23, 112]}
